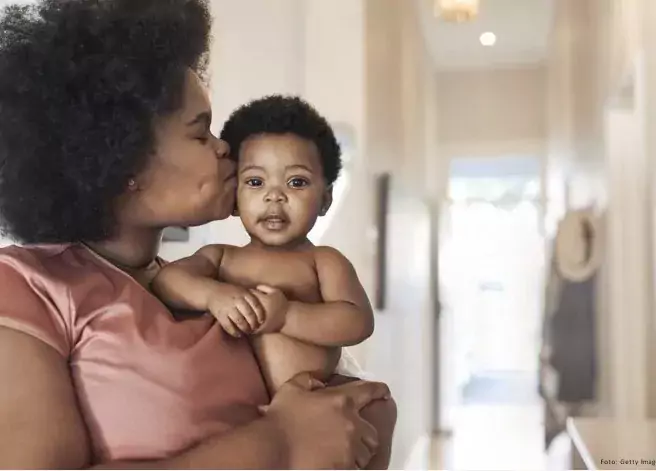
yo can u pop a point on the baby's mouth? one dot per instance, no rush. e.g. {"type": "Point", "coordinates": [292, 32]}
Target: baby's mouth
{"type": "Point", "coordinates": [274, 222]}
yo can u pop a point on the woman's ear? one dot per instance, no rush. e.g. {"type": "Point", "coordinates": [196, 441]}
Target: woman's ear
{"type": "Point", "coordinates": [327, 201]}
{"type": "Point", "coordinates": [132, 184]}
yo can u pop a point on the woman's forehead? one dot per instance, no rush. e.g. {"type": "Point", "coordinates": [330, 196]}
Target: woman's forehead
{"type": "Point", "coordinates": [196, 98]}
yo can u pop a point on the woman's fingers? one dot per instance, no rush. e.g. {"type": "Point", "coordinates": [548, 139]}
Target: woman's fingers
{"type": "Point", "coordinates": [364, 441]}
{"type": "Point", "coordinates": [361, 393]}
{"type": "Point", "coordinates": [370, 436]}
{"type": "Point", "coordinates": [363, 455]}
{"type": "Point", "coordinates": [306, 382]}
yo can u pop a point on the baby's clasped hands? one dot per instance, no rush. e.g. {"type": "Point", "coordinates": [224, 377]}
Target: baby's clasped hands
{"type": "Point", "coordinates": [242, 311]}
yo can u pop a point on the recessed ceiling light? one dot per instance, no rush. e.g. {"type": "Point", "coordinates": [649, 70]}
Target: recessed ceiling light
{"type": "Point", "coordinates": [488, 39]}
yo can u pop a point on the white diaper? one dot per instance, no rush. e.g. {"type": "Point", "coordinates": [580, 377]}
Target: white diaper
{"type": "Point", "coordinates": [348, 366]}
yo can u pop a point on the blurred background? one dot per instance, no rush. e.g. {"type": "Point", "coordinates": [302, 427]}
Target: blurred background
{"type": "Point", "coordinates": [496, 197]}
{"type": "Point", "coordinates": [479, 135]}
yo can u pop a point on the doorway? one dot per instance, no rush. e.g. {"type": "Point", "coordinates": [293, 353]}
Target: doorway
{"type": "Point", "coordinates": [492, 256]}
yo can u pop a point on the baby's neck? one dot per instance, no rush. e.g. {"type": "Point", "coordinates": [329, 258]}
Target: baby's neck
{"type": "Point", "coordinates": [294, 246]}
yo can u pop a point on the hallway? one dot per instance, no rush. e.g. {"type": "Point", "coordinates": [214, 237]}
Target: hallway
{"type": "Point", "coordinates": [494, 437]}
{"type": "Point", "coordinates": [498, 426]}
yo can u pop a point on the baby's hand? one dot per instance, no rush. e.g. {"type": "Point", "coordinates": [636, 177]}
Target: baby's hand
{"type": "Point", "coordinates": [275, 306]}
{"type": "Point", "coordinates": [238, 311]}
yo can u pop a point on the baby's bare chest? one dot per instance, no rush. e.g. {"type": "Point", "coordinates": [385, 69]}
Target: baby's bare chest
{"type": "Point", "coordinates": [294, 274]}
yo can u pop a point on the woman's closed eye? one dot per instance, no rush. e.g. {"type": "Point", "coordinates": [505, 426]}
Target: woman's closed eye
{"type": "Point", "coordinates": [204, 138]}
{"type": "Point", "coordinates": [298, 182]}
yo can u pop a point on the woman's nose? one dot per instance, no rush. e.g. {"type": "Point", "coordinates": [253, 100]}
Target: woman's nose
{"type": "Point", "coordinates": [221, 149]}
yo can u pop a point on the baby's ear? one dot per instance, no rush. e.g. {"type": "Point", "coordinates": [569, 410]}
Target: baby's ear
{"type": "Point", "coordinates": [327, 201]}
{"type": "Point", "coordinates": [235, 211]}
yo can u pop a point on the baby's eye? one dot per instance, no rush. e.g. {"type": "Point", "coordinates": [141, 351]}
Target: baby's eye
{"type": "Point", "coordinates": [298, 183]}
{"type": "Point", "coordinates": [254, 182]}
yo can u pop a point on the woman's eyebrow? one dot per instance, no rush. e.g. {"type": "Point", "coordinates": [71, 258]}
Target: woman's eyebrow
{"type": "Point", "coordinates": [205, 117]}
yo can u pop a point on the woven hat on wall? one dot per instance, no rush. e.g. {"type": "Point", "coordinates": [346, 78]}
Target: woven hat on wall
{"type": "Point", "coordinates": [578, 245]}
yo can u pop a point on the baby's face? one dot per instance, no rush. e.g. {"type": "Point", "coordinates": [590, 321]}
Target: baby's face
{"type": "Point", "coordinates": [281, 190]}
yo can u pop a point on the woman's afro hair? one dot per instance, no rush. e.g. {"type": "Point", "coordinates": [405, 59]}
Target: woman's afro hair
{"type": "Point", "coordinates": [81, 83]}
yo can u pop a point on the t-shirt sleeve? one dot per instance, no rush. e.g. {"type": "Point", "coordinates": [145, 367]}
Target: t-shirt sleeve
{"type": "Point", "coordinates": [29, 304]}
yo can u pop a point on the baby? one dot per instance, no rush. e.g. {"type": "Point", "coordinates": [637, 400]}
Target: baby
{"type": "Point", "coordinates": [298, 302]}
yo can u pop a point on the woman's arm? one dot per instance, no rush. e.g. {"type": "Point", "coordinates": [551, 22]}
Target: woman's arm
{"type": "Point", "coordinates": [234, 450]}
{"type": "Point", "coordinates": [42, 428]}
{"type": "Point", "coordinates": [344, 318]}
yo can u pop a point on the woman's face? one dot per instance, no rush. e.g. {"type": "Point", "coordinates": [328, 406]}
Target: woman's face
{"type": "Point", "coordinates": [189, 180]}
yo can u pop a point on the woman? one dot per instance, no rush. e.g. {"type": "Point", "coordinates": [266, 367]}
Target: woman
{"type": "Point", "coordinates": [104, 141]}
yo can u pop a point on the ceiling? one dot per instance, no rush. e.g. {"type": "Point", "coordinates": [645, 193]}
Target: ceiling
{"type": "Point", "coordinates": [522, 28]}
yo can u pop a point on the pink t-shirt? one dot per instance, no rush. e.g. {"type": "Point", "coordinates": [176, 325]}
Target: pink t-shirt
{"type": "Point", "coordinates": [149, 386]}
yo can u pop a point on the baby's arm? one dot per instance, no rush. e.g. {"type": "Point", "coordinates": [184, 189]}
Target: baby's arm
{"type": "Point", "coordinates": [192, 283]}
{"type": "Point", "coordinates": [344, 318]}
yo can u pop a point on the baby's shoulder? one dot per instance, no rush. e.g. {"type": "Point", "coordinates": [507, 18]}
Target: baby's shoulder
{"type": "Point", "coordinates": [216, 250]}
{"type": "Point", "coordinates": [326, 250]}
{"type": "Point", "coordinates": [235, 254]}
{"type": "Point", "coordinates": [326, 253]}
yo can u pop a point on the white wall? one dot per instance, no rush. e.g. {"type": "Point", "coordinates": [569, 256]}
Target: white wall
{"type": "Point", "coordinates": [400, 104]}
{"type": "Point", "coordinates": [646, 18]}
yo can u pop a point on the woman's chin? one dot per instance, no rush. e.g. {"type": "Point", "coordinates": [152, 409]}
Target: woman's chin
{"type": "Point", "coordinates": [221, 213]}
{"type": "Point", "coordinates": [216, 215]}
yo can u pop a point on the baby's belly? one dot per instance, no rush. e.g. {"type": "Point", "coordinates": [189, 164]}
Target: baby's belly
{"type": "Point", "coordinates": [281, 358]}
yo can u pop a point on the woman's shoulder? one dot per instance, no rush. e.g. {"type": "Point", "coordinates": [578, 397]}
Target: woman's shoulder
{"type": "Point", "coordinates": [50, 260]}
{"type": "Point", "coordinates": [31, 255]}
{"type": "Point", "coordinates": [49, 268]}
{"type": "Point", "coordinates": [38, 286]}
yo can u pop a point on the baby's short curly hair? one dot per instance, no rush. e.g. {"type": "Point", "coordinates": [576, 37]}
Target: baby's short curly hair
{"type": "Point", "coordinates": [81, 83]}
{"type": "Point", "coordinates": [280, 114]}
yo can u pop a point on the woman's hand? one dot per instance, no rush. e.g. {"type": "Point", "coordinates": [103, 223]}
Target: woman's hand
{"type": "Point", "coordinates": [323, 427]}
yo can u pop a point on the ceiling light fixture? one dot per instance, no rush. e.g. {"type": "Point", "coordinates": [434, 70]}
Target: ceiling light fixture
{"type": "Point", "coordinates": [488, 39]}
{"type": "Point", "coordinates": [457, 11]}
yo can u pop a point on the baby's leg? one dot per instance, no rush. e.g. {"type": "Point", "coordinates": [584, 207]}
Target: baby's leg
{"type": "Point", "coordinates": [382, 415]}
{"type": "Point", "coordinates": [281, 358]}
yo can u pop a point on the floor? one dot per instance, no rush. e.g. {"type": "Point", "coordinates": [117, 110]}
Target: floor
{"type": "Point", "coordinates": [497, 437]}
{"type": "Point", "coordinates": [498, 427]}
